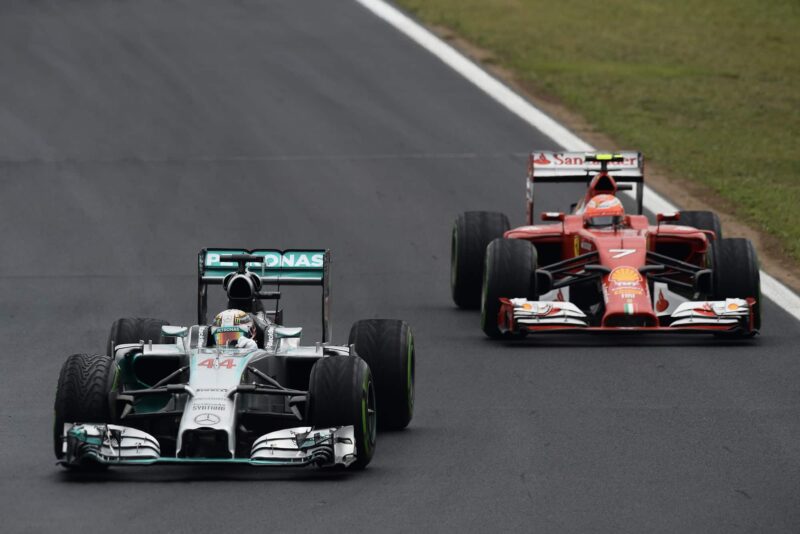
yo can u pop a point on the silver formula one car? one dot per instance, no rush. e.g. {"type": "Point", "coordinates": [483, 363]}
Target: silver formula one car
{"type": "Point", "coordinates": [170, 394]}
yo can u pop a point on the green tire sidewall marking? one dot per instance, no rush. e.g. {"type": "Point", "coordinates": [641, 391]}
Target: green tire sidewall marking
{"type": "Point", "coordinates": [364, 399]}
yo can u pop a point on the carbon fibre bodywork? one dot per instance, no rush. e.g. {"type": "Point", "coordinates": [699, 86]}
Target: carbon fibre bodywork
{"type": "Point", "coordinates": [212, 404]}
{"type": "Point", "coordinates": [627, 275]}
{"type": "Point", "coordinates": [184, 399]}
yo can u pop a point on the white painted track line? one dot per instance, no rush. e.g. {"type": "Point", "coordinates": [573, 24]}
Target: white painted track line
{"type": "Point", "coordinates": [770, 287]}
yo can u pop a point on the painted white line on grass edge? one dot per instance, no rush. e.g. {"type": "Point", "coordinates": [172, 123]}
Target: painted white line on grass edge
{"type": "Point", "coordinates": [770, 287]}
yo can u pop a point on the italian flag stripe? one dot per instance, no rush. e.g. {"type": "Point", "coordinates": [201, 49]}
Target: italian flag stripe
{"type": "Point", "coordinates": [629, 308]}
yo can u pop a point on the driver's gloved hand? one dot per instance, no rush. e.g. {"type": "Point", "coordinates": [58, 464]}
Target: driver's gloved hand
{"type": "Point", "coordinates": [246, 343]}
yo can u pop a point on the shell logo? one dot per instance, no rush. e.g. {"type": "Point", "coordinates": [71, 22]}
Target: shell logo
{"type": "Point", "coordinates": [625, 274]}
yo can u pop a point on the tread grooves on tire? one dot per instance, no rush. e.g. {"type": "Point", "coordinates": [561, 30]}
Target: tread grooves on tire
{"type": "Point", "coordinates": [82, 394]}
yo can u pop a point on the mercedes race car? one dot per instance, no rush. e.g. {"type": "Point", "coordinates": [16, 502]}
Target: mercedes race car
{"type": "Point", "coordinates": [181, 394]}
{"type": "Point", "coordinates": [598, 269]}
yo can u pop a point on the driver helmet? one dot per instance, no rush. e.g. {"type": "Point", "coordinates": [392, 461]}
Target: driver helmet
{"type": "Point", "coordinates": [603, 211]}
{"type": "Point", "coordinates": [230, 325]}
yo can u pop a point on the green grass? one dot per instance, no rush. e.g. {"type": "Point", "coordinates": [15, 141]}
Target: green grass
{"type": "Point", "coordinates": [709, 89]}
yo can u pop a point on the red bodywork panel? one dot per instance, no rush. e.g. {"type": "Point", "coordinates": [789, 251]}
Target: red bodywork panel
{"type": "Point", "coordinates": [623, 252]}
{"type": "Point", "coordinates": [624, 260]}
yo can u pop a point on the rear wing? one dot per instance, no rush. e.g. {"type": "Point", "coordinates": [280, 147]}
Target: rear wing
{"type": "Point", "coordinates": [274, 267]}
{"type": "Point", "coordinates": [625, 167]}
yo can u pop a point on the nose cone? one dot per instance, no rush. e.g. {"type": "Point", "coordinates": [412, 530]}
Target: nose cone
{"type": "Point", "coordinates": [627, 298]}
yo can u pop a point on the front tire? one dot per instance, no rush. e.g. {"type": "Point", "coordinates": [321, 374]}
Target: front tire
{"type": "Point", "coordinates": [341, 392]}
{"type": "Point", "coordinates": [702, 220]}
{"type": "Point", "coordinates": [737, 275]}
{"type": "Point", "coordinates": [387, 345]}
{"type": "Point", "coordinates": [134, 330]}
{"type": "Point", "coordinates": [472, 232]}
{"type": "Point", "coordinates": [82, 395]}
{"type": "Point", "coordinates": [509, 273]}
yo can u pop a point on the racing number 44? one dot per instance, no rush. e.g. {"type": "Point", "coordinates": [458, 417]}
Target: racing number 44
{"type": "Point", "coordinates": [228, 363]}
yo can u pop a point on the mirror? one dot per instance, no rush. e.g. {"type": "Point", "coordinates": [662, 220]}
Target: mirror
{"type": "Point", "coordinates": [174, 331]}
{"type": "Point", "coordinates": [553, 216]}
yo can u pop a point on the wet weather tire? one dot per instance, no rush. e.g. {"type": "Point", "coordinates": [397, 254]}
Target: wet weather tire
{"type": "Point", "coordinates": [133, 330]}
{"type": "Point", "coordinates": [736, 273]}
{"type": "Point", "coordinates": [387, 345]}
{"type": "Point", "coordinates": [510, 269]}
{"type": "Point", "coordinates": [472, 232]}
{"type": "Point", "coordinates": [341, 392]}
{"type": "Point", "coordinates": [82, 395]}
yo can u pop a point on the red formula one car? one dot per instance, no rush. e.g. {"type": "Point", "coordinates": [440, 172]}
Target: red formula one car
{"type": "Point", "coordinates": [598, 269]}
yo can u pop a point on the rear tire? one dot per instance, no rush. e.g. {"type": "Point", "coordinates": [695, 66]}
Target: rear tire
{"type": "Point", "coordinates": [736, 273]}
{"type": "Point", "coordinates": [134, 330]}
{"type": "Point", "coordinates": [387, 345]}
{"type": "Point", "coordinates": [472, 232]}
{"type": "Point", "coordinates": [702, 220]}
{"type": "Point", "coordinates": [341, 392]}
{"type": "Point", "coordinates": [82, 395]}
{"type": "Point", "coordinates": [510, 269]}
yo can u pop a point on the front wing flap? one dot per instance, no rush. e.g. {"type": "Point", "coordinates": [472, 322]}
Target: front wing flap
{"type": "Point", "coordinates": [729, 315]}
{"type": "Point", "coordinates": [91, 443]}
{"type": "Point", "coordinates": [306, 445]}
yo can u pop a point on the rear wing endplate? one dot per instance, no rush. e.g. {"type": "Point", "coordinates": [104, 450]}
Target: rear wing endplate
{"type": "Point", "coordinates": [297, 267]}
{"type": "Point", "coordinates": [573, 167]}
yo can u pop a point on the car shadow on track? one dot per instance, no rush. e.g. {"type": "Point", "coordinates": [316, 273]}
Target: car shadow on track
{"type": "Point", "coordinates": [217, 473]}
{"type": "Point", "coordinates": [164, 473]}
{"type": "Point", "coordinates": [622, 340]}
{"type": "Point", "coordinates": [587, 340]}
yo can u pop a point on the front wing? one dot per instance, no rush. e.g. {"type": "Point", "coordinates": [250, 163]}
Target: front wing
{"type": "Point", "coordinates": [724, 316]}
{"type": "Point", "coordinates": [106, 444]}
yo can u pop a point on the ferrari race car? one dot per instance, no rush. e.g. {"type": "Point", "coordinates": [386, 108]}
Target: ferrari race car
{"type": "Point", "coordinates": [177, 394]}
{"type": "Point", "coordinates": [597, 269]}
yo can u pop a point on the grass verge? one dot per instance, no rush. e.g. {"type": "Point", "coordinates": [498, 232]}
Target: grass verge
{"type": "Point", "coordinates": [708, 89]}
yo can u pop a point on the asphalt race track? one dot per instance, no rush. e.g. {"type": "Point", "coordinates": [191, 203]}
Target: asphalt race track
{"type": "Point", "coordinates": [134, 133]}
